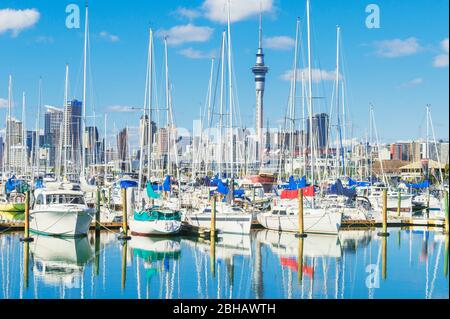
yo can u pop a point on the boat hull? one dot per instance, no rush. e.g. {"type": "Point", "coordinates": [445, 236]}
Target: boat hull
{"type": "Point", "coordinates": [225, 223]}
{"type": "Point", "coordinates": [319, 222]}
{"type": "Point", "coordinates": [54, 222]}
{"type": "Point", "coordinates": [154, 227]}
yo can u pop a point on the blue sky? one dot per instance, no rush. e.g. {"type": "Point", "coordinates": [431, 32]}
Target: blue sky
{"type": "Point", "coordinates": [400, 67]}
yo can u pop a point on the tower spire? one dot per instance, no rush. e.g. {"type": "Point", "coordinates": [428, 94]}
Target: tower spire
{"type": "Point", "coordinates": [260, 71]}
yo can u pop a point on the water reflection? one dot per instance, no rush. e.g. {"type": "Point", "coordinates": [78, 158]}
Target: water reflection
{"type": "Point", "coordinates": [410, 263]}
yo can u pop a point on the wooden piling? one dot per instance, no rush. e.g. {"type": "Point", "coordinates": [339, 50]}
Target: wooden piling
{"type": "Point", "coordinates": [97, 253]}
{"type": "Point", "coordinates": [124, 264]}
{"type": "Point", "coordinates": [300, 260]}
{"type": "Point", "coordinates": [384, 231]}
{"type": "Point", "coordinates": [26, 254]}
{"type": "Point", "coordinates": [384, 258]}
{"type": "Point", "coordinates": [399, 204]}
{"type": "Point", "coordinates": [124, 235]}
{"type": "Point", "coordinates": [301, 231]}
{"type": "Point", "coordinates": [27, 237]}
{"type": "Point", "coordinates": [213, 218]}
{"type": "Point", "coordinates": [97, 211]}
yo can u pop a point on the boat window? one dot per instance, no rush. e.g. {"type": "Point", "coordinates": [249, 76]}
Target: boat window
{"type": "Point", "coordinates": [275, 212]}
{"type": "Point", "coordinates": [282, 212]}
{"type": "Point", "coordinates": [65, 199]}
{"type": "Point", "coordinates": [40, 200]}
{"type": "Point", "coordinates": [207, 210]}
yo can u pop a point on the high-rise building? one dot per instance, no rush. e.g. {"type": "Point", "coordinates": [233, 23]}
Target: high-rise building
{"type": "Point", "coordinates": [122, 145]}
{"type": "Point", "coordinates": [91, 145]}
{"type": "Point", "coordinates": [73, 127]}
{"type": "Point", "coordinates": [53, 119]}
{"type": "Point", "coordinates": [319, 131]}
{"type": "Point", "coordinates": [260, 71]}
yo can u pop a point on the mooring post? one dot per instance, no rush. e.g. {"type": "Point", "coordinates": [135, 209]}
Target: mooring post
{"type": "Point", "coordinates": [300, 260]}
{"type": "Point", "coordinates": [399, 203]}
{"type": "Point", "coordinates": [124, 235]}
{"type": "Point", "coordinates": [213, 218]}
{"type": "Point", "coordinates": [301, 232]}
{"type": "Point", "coordinates": [97, 253]}
{"type": "Point", "coordinates": [26, 236]}
{"type": "Point", "coordinates": [97, 211]}
{"type": "Point", "coordinates": [384, 258]}
{"type": "Point", "coordinates": [384, 231]}
{"type": "Point", "coordinates": [446, 212]}
{"type": "Point", "coordinates": [26, 254]}
{"type": "Point", "coordinates": [124, 264]}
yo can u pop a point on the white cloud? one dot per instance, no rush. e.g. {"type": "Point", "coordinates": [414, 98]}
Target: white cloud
{"type": "Point", "coordinates": [397, 47]}
{"type": "Point", "coordinates": [17, 20]}
{"type": "Point", "coordinates": [3, 103]}
{"type": "Point", "coordinates": [410, 84]}
{"type": "Point", "coordinates": [186, 33]}
{"type": "Point", "coordinates": [278, 43]}
{"type": "Point", "coordinates": [109, 37]}
{"type": "Point", "coordinates": [317, 75]}
{"type": "Point", "coordinates": [190, 14]}
{"type": "Point", "coordinates": [217, 10]}
{"type": "Point", "coordinates": [45, 39]}
{"type": "Point", "coordinates": [441, 60]}
{"type": "Point", "coordinates": [122, 108]}
{"type": "Point", "coordinates": [197, 54]}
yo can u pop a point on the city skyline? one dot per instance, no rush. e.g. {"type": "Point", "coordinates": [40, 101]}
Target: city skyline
{"type": "Point", "coordinates": [399, 68]}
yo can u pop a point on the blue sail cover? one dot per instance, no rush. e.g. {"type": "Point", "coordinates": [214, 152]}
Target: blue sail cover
{"type": "Point", "coordinates": [39, 183]}
{"type": "Point", "coordinates": [239, 193]}
{"type": "Point", "coordinates": [424, 184]}
{"type": "Point", "coordinates": [338, 189]}
{"type": "Point", "coordinates": [222, 188]}
{"type": "Point", "coordinates": [296, 184]}
{"type": "Point", "coordinates": [128, 183]}
{"type": "Point", "coordinates": [166, 184]}
{"type": "Point", "coordinates": [351, 182]}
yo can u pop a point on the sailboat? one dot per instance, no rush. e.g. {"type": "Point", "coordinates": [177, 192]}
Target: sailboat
{"type": "Point", "coordinates": [154, 219]}
{"type": "Point", "coordinates": [284, 215]}
{"type": "Point", "coordinates": [12, 203]}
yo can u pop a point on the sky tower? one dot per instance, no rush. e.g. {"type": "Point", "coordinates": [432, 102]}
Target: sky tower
{"type": "Point", "coordinates": [260, 70]}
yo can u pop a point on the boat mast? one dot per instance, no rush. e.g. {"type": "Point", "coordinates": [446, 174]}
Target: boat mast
{"type": "Point", "coordinates": [341, 148]}
{"type": "Point", "coordinates": [104, 153]}
{"type": "Point", "coordinates": [8, 126]}
{"type": "Point", "coordinates": [167, 106]}
{"type": "Point", "coordinates": [37, 138]}
{"type": "Point", "coordinates": [222, 73]}
{"type": "Point", "coordinates": [83, 119]}
{"type": "Point", "coordinates": [310, 94]}
{"type": "Point", "coordinates": [230, 92]}
{"type": "Point", "coordinates": [65, 120]}
{"type": "Point", "coordinates": [150, 94]}
{"type": "Point", "coordinates": [24, 134]}
{"type": "Point", "coordinates": [209, 115]}
{"type": "Point", "coordinates": [293, 96]}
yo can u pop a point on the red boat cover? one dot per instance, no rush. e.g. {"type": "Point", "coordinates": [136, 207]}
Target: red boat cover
{"type": "Point", "coordinates": [288, 194]}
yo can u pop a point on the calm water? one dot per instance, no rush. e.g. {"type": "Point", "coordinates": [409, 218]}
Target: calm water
{"type": "Point", "coordinates": [355, 264]}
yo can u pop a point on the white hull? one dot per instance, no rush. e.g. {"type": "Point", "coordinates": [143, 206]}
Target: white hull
{"type": "Point", "coordinates": [225, 223]}
{"type": "Point", "coordinates": [61, 222]}
{"type": "Point", "coordinates": [154, 227]}
{"type": "Point", "coordinates": [392, 202]}
{"type": "Point", "coordinates": [317, 221]}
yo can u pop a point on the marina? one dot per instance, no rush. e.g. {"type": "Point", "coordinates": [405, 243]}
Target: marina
{"type": "Point", "coordinates": [123, 202]}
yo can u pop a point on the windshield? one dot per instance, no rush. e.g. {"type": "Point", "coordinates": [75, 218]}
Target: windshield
{"type": "Point", "coordinates": [65, 199]}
